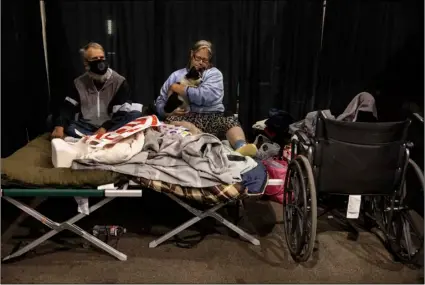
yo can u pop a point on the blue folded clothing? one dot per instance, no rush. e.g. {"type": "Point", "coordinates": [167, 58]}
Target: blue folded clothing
{"type": "Point", "coordinates": [255, 179]}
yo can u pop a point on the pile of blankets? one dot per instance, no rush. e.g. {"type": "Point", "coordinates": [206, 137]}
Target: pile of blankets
{"type": "Point", "coordinates": [171, 155]}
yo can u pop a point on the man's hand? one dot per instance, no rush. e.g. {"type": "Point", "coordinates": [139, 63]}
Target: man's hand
{"type": "Point", "coordinates": [58, 133]}
{"type": "Point", "coordinates": [177, 88]}
{"type": "Point", "coordinates": [100, 131]}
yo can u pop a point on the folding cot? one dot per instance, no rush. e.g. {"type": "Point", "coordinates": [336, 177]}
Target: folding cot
{"type": "Point", "coordinates": [29, 172]}
{"type": "Point", "coordinates": [55, 227]}
{"type": "Point", "coordinates": [216, 197]}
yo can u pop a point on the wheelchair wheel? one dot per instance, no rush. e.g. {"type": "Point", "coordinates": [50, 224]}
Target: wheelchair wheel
{"type": "Point", "coordinates": [418, 171]}
{"type": "Point", "coordinates": [406, 241]}
{"type": "Point", "coordinates": [300, 209]}
{"type": "Point", "coordinates": [415, 185]}
{"type": "Point", "coordinates": [399, 231]}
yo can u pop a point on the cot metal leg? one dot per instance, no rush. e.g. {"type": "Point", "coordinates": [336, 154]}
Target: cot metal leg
{"type": "Point", "coordinates": [235, 228]}
{"type": "Point", "coordinates": [199, 216]}
{"type": "Point", "coordinates": [12, 228]}
{"type": "Point", "coordinates": [58, 227]}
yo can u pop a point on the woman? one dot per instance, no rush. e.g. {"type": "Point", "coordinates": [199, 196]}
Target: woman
{"type": "Point", "coordinates": [205, 100]}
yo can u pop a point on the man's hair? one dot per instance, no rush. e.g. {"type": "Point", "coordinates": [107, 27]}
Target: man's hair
{"type": "Point", "coordinates": [200, 45]}
{"type": "Point", "coordinates": [84, 49]}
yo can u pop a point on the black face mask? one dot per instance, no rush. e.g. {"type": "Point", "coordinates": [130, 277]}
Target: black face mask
{"type": "Point", "coordinates": [99, 66]}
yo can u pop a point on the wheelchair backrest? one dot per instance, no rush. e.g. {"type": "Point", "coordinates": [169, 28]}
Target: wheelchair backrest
{"type": "Point", "coordinates": [359, 158]}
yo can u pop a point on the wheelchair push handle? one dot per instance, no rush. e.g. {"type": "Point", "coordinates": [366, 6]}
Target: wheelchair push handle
{"type": "Point", "coordinates": [418, 117]}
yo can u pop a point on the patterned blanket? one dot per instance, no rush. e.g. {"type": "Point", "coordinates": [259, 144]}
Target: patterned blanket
{"type": "Point", "coordinates": [209, 195]}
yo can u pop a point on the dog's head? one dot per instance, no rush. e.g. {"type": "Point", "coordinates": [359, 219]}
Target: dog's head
{"type": "Point", "coordinates": [192, 78]}
{"type": "Point", "coordinates": [193, 74]}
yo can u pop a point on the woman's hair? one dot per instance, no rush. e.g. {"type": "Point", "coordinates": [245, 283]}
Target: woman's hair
{"type": "Point", "coordinates": [198, 46]}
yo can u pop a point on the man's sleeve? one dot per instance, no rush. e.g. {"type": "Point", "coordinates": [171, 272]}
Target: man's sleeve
{"type": "Point", "coordinates": [69, 108]}
{"type": "Point", "coordinates": [120, 106]}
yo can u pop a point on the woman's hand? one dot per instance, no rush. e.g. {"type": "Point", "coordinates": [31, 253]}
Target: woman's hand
{"type": "Point", "coordinates": [177, 88]}
{"type": "Point", "coordinates": [177, 112]}
{"type": "Point", "coordinates": [191, 127]}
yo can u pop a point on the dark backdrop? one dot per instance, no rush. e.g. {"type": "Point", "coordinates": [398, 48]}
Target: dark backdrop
{"type": "Point", "coordinates": [280, 44]}
{"type": "Point", "coordinates": [266, 50]}
{"type": "Point", "coordinates": [375, 46]}
{"type": "Point", "coordinates": [24, 88]}
{"type": "Point", "coordinates": [125, 29]}
{"type": "Point", "coordinates": [149, 40]}
{"type": "Point", "coordinates": [270, 53]}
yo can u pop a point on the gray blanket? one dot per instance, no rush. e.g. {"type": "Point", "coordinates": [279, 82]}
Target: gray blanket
{"type": "Point", "coordinates": [361, 102]}
{"type": "Point", "coordinates": [191, 161]}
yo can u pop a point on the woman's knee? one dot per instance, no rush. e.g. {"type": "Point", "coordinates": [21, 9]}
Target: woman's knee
{"type": "Point", "coordinates": [232, 126]}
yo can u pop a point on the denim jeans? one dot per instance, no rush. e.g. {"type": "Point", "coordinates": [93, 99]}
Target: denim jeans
{"type": "Point", "coordinates": [88, 129]}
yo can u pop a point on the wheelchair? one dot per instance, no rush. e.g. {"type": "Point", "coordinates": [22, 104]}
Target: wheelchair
{"type": "Point", "coordinates": [366, 162]}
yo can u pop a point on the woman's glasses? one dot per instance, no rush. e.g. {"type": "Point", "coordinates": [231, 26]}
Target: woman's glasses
{"type": "Point", "coordinates": [200, 59]}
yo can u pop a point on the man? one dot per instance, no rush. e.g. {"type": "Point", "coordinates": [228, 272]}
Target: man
{"type": "Point", "coordinates": [100, 99]}
{"type": "Point", "coordinates": [205, 100]}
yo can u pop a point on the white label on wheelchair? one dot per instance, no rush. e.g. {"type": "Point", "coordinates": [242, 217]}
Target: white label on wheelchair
{"type": "Point", "coordinates": [353, 208]}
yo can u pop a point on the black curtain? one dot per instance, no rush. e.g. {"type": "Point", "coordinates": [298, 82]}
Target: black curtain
{"type": "Point", "coordinates": [133, 42]}
{"type": "Point", "coordinates": [24, 81]}
{"type": "Point", "coordinates": [266, 50]}
{"type": "Point", "coordinates": [181, 23]}
{"type": "Point", "coordinates": [270, 52]}
{"type": "Point", "coordinates": [374, 46]}
{"type": "Point", "coordinates": [280, 41]}
{"type": "Point", "coordinates": [149, 40]}
{"type": "Point", "coordinates": [124, 28]}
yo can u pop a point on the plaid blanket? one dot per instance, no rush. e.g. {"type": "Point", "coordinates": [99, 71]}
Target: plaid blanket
{"type": "Point", "coordinates": [208, 195]}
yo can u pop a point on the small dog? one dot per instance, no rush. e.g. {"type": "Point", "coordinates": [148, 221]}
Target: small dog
{"type": "Point", "coordinates": [191, 79]}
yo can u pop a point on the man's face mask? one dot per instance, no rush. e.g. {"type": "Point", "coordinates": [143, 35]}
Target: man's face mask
{"type": "Point", "coordinates": [99, 66]}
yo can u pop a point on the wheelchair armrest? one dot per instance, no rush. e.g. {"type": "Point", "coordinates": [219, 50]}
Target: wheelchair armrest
{"type": "Point", "coordinates": [303, 138]}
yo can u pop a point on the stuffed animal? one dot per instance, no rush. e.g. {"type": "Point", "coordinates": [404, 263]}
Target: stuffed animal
{"type": "Point", "coordinates": [191, 79]}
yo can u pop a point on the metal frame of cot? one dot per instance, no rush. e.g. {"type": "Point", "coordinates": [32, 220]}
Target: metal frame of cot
{"type": "Point", "coordinates": [109, 195]}
{"type": "Point", "coordinates": [8, 194]}
{"type": "Point", "coordinates": [211, 212]}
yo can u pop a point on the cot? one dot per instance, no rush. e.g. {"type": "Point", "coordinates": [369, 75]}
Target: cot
{"type": "Point", "coordinates": [29, 173]}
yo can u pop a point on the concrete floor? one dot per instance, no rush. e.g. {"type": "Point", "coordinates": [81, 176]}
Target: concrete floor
{"type": "Point", "coordinates": [219, 258]}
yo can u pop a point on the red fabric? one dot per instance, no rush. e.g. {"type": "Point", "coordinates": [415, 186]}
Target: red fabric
{"type": "Point", "coordinates": [277, 170]}
{"type": "Point", "coordinates": [269, 133]}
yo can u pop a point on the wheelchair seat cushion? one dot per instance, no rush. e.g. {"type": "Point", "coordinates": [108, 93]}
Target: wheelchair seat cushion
{"type": "Point", "coordinates": [31, 167]}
